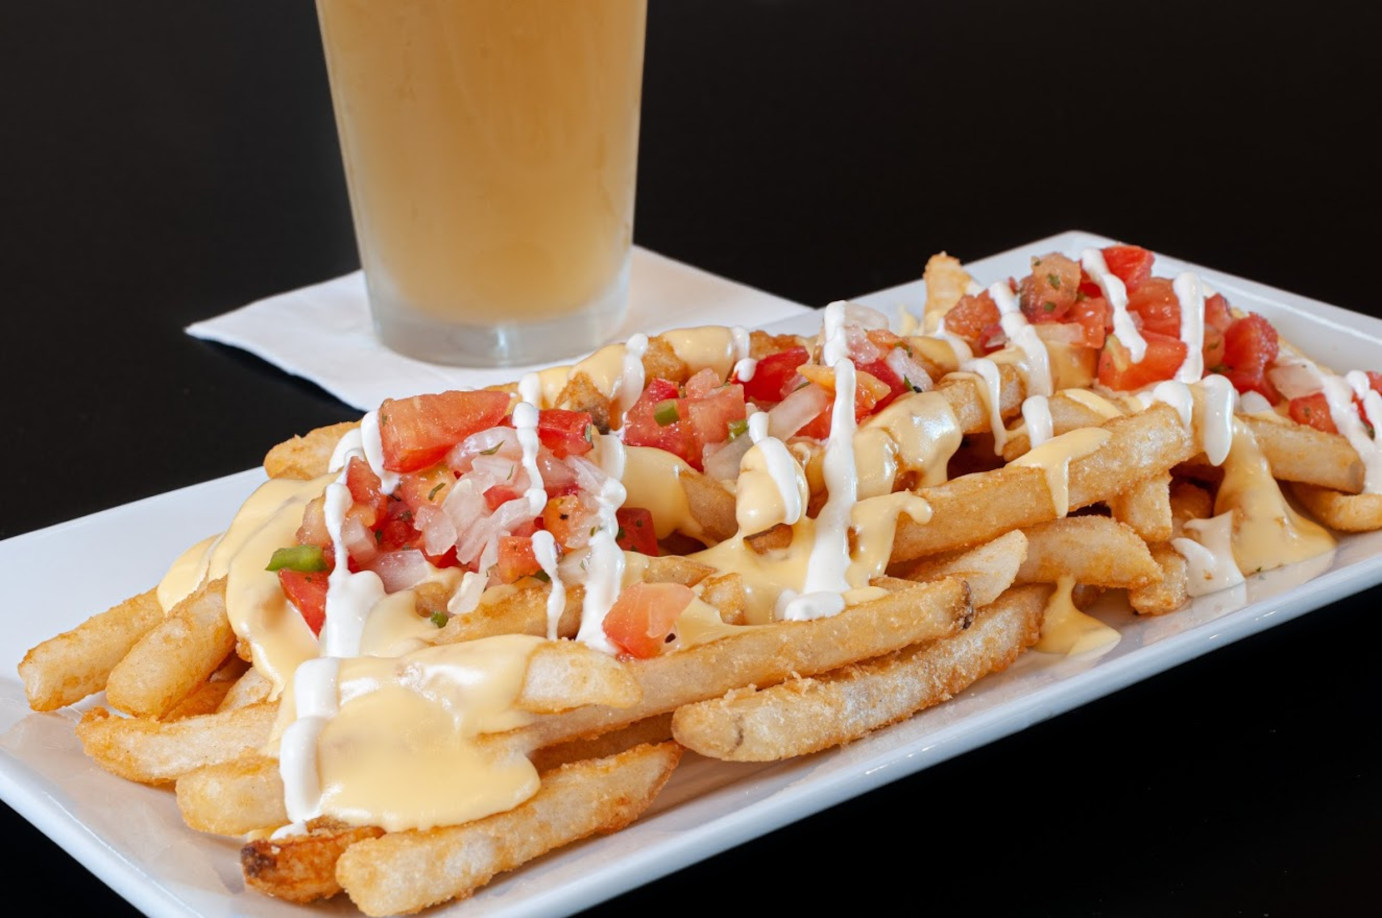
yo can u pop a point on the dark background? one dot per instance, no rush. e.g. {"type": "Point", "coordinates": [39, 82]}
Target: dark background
{"type": "Point", "coordinates": [164, 162]}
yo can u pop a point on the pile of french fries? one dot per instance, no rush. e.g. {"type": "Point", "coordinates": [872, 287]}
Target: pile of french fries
{"type": "Point", "coordinates": [964, 594]}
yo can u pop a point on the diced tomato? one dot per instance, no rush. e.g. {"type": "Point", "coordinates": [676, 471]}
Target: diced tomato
{"type": "Point", "coordinates": [711, 415]}
{"type": "Point", "coordinates": [1217, 315]}
{"type": "Point", "coordinates": [568, 520]}
{"type": "Point", "coordinates": [418, 431]}
{"type": "Point", "coordinates": [1117, 370]}
{"type": "Point", "coordinates": [365, 487]}
{"type": "Point", "coordinates": [1047, 294]}
{"type": "Point", "coordinates": [972, 317]}
{"type": "Point", "coordinates": [1093, 315]}
{"type": "Point", "coordinates": [644, 616]}
{"type": "Point", "coordinates": [659, 419]}
{"type": "Point", "coordinates": [636, 531]}
{"type": "Point", "coordinates": [1155, 301]}
{"type": "Point", "coordinates": [1131, 264]}
{"type": "Point", "coordinates": [774, 374]}
{"type": "Point", "coordinates": [1312, 411]}
{"type": "Point", "coordinates": [566, 432]}
{"type": "Point", "coordinates": [313, 530]}
{"type": "Point", "coordinates": [499, 495]}
{"type": "Point", "coordinates": [516, 559]}
{"type": "Point", "coordinates": [1250, 346]}
{"type": "Point", "coordinates": [306, 590]}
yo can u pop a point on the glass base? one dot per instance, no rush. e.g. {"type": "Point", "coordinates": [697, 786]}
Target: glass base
{"type": "Point", "coordinates": [518, 344]}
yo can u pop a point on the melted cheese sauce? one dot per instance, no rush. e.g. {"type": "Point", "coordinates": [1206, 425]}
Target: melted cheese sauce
{"type": "Point", "coordinates": [1066, 630]}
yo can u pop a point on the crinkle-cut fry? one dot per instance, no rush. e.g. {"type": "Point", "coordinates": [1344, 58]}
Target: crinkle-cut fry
{"type": "Point", "coordinates": [978, 507]}
{"type": "Point", "coordinates": [403, 872]}
{"type": "Point", "coordinates": [175, 656]}
{"type": "Point", "coordinates": [1342, 512]}
{"type": "Point", "coordinates": [65, 669]}
{"type": "Point", "coordinates": [233, 798]}
{"type": "Point", "coordinates": [301, 868]}
{"type": "Point", "coordinates": [308, 456]}
{"type": "Point", "coordinates": [1094, 550]}
{"type": "Point", "coordinates": [155, 752]}
{"type": "Point", "coordinates": [814, 713]}
{"type": "Point", "coordinates": [1170, 591]}
{"type": "Point", "coordinates": [989, 569]}
{"type": "Point", "coordinates": [523, 609]}
{"type": "Point", "coordinates": [562, 675]}
{"type": "Point", "coordinates": [1300, 453]}
{"type": "Point", "coordinates": [1146, 508]}
{"type": "Point", "coordinates": [768, 654]}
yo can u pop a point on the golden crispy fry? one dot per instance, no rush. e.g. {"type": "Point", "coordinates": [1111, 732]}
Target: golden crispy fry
{"type": "Point", "coordinates": [809, 714]}
{"type": "Point", "coordinates": [655, 729]}
{"type": "Point", "coordinates": [1300, 453]}
{"type": "Point", "coordinates": [153, 752]}
{"type": "Point", "coordinates": [210, 695]}
{"type": "Point", "coordinates": [233, 798]}
{"type": "Point", "coordinates": [1343, 512]}
{"type": "Point", "coordinates": [982, 506]}
{"type": "Point", "coordinates": [989, 569]}
{"type": "Point", "coordinates": [1093, 550]}
{"type": "Point", "coordinates": [1067, 413]}
{"type": "Point", "coordinates": [65, 669]}
{"type": "Point", "coordinates": [1170, 591]}
{"type": "Point", "coordinates": [968, 398]}
{"type": "Point", "coordinates": [300, 868]}
{"type": "Point", "coordinates": [306, 457]}
{"type": "Point", "coordinates": [563, 674]}
{"type": "Point", "coordinates": [946, 281]}
{"type": "Point", "coordinates": [1146, 508]}
{"type": "Point", "coordinates": [175, 656]}
{"type": "Point", "coordinates": [251, 688]}
{"type": "Point", "coordinates": [404, 872]}
{"type": "Point", "coordinates": [768, 654]}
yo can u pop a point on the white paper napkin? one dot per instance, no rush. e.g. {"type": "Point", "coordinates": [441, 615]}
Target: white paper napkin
{"type": "Point", "coordinates": [323, 332]}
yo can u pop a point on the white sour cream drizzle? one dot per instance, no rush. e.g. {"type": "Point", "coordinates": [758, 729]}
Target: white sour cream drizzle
{"type": "Point", "coordinates": [1190, 293]}
{"type": "Point", "coordinates": [823, 592]}
{"type": "Point", "coordinates": [1036, 416]}
{"type": "Point", "coordinates": [604, 565]}
{"type": "Point", "coordinates": [1092, 260]}
{"type": "Point", "coordinates": [631, 375]}
{"type": "Point", "coordinates": [1037, 368]}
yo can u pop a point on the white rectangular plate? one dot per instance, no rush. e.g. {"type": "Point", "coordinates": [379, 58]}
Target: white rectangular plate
{"type": "Point", "coordinates": [141, 848]}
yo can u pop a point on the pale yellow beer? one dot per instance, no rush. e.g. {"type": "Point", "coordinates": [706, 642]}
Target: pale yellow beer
{"type": "Point", "coordinates": [490, 149]}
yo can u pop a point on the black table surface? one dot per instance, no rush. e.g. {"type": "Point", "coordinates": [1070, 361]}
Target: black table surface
{"type": "Point", "coordinates": [165, 162]}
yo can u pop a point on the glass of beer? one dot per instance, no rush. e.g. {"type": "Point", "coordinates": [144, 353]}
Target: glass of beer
{"type": "Point", "coordinates": [490, 150]}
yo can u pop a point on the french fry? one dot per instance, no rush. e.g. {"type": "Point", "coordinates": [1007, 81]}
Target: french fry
{"type": "Point", "coordinates": [154, 752]}
{"type": "Point", "coordinates": [1341, 512]}
{"type": "Point", "coordinates": [65, 669]}
{"type": "Point", "coordinates": [1167, 593]}
{"type": "Point", "coordinates": [809, 714]}
{"type": "Point", "coordinates": [301, 868]}
{"type": "Point", "coordinates": [982, 506]}
{"type": "Point", "coordinates": [405, 872]}
{"type": "Point", "coordinates": [175, 656]}
{"type": "Point", "coordinates": [1093, 550]}
{"type": "Point", "coordinates": [237, 797]}
{"type": "Point", "coordinates": [1146, 508]}
{"type": "Point", "coordinates": [308, 456]}
{"type": "Point", "coordinates": [1303, 454]}
{"type": "Point", "coordinates": [989, 569]}
{"type": "Point", "coordinates": [768, 654]}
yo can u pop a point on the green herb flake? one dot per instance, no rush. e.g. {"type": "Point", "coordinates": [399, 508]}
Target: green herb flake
{"type": "Point", "coordinates": [439, 618]}
{"type": "Point", "coordinates": [1048, 306]}
{"type": "Point", "coordinates": [666, 413]}
{"type": "Point", "coordinates": [620, 535]}
{"type": "Point", "coordinates": [433, 493]}
{"type": "Point", "coordinates": [302, 558]}
{"type": "Point", "coordinates": [1054, 281]}
{"type": "Point", "coordinates": [543, 576]}
{"type": "Point", "coordinates": [738, 428]}
{"type": "Point", "coordinates": [491, 451]}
